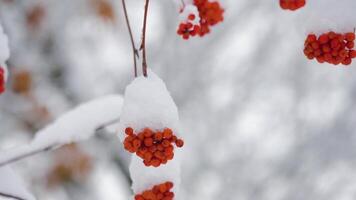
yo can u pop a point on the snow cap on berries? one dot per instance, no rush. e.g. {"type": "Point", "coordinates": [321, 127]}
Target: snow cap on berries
{"type": "Point", "coordinates": [189, 14]}
{"type": "Point", "coordinates": [148, 104]}
{"type": "Point", "coordinates": [144, 178]}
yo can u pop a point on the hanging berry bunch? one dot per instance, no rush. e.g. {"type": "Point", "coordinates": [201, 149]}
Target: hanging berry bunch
{"type": "Point", "coordinates": [155, 148]}
{"type": "Point", "coordinates": [2, 80]}
{"type": "Point", "coordinates": [161, 191]}
{"type": "Point", "coordinates": [331, 47]}
{"type": "Point", "coordinates": [292, 4]}
{"type": "Point", "coordinates": [199, 17]}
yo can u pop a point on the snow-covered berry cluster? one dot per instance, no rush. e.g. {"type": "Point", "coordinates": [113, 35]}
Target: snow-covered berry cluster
{"type": "Point", "coordinates": [331, 47]}
{"type": "Point", "coordinates": [158, 192]}
{"type": "Point", "coordinates": [2, 80]}
{"type": "Point", "coordinates": [154, 147]}
{"type": "Point", "coordinates": [208, 14]}
{"type": "Point", "coordinates": [292, 4]}
{"type": "Point", "coordinates": [149, 127]}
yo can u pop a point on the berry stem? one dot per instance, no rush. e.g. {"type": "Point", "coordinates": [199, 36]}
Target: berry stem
{"type": "Point", "coordinates": [143, 45]}
{"type": "Point", "coordinates": [134, 50]}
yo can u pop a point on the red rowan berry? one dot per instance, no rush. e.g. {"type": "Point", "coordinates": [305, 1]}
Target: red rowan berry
{"type": "Point", "coordinates": [347, 61]}
{"type": "Point", "coordinates": [148, 142]}
{"type": "Point", "coordinates": [179, 143]}
{"type": "Point", "coordinates": [352, 54]}
{"type": "Point", "coordinates": [291, 4]}
{"type": "Point", "coordinates": [323, 39]}
{"type": "Point", "coordinates": [350, 37]}
{"type": "Point", "coordinates": [158, 192]}
{"type": "Point", "coordinates": [191, 17]}
{"type": "Point", "coordinates": [129, 131]}
{"type": "Point", "coordinates": [2, 80]}
{"type": "Point", "coordinates": [350, 45]}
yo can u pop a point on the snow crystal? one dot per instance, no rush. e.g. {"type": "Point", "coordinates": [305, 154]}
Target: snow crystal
{"type": "Point", "coordinates": [12, 184]}
{"type": "Point", "coordinates": [148, 104]}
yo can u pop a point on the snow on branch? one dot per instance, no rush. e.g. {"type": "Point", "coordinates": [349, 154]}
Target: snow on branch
{"type": "Point", "coordinates": [11, 185]}
{"type": "Point", "coordinates": [76, 125]}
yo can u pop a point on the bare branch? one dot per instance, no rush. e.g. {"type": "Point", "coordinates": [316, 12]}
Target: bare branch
{"type": "Point", "coordinates": [143, 45]}
{"type": "Point", "coordinates": [135, 51]}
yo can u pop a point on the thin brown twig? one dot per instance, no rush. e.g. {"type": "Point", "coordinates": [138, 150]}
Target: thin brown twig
{"type": "Point", "coordinates": [134, 50]}
{"type": "Point", "coordinates": [143, 45]}
{"type": "Point", "coordinates": [11, 196]}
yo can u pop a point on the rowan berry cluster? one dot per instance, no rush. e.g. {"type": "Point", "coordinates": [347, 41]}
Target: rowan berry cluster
{"type": "Point", "coordinates": [187, 29]}
{"type": "Point", "coordinates": [210, 14]}
{"type": "Point", "coordinates": [155, 148]}
{"type": "Point", "coordinates": [2, 80]}
{"type": "Point", "coordinates": [291, 4]}
{"type": "Point", "coordinates": [331, 47]}
{"type": "Point", "coordinates": [158, 192]}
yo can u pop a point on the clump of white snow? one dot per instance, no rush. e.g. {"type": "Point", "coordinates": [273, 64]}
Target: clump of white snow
{"type": "Point", "coordinates": [81, 122]}
{"type": "Point", "coordinates": [326, 15]}
{"type": "Point", "coordinates": [144, 178]}
{"type": "Point", "coordinates": [11, 184]}
{"type": "Point", "coordinates": [148, 104]}
{"type": "Point", "coordinates": [188, 10]}
{"type": "Point", "coordinates": [4, 51]}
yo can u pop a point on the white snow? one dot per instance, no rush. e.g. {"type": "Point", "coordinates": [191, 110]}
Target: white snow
{"type": "Point", "coordinates": [12, 184]}
{"type": "Point", "coordinates": [144, 178]}
{"type": "Point", "coordinates": [189, 9]}
{"type": "Point", "coordinates": [147, 103]}
{"type": "Point", "coordinates": [80, 123]}
{"type": "Point", "coordinates": [328, 15]}
{"type": "Point", "coordinates": [76, 125]}
{"type": "Point", "coordinates": [4, 51]}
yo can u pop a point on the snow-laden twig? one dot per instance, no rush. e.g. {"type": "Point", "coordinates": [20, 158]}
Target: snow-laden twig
{"type": "Point", "coordinates": [79, 124]}
{"type": "Point", "coordinates": [12, 186]}
{"type": "Point", "coordinates": [11, 196]}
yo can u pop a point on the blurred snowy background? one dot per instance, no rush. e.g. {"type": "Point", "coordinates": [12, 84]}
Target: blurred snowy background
{"type": "Point", "coordinates": [261, 122]}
